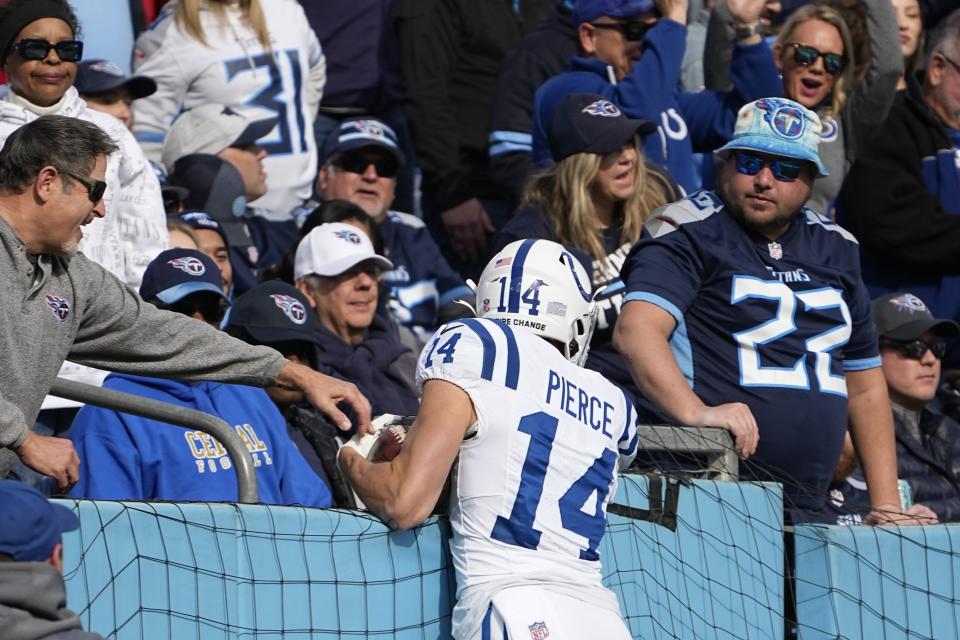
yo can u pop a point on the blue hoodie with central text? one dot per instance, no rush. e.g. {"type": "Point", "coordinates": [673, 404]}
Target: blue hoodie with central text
{"type": "Point", "coordinates": [126, 457]}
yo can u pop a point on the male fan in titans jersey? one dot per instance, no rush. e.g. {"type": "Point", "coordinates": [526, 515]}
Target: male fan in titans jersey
{"type": "Point", "coordinates": [539, 440]}
{"type": "Point", "coordinates": [746, 310]}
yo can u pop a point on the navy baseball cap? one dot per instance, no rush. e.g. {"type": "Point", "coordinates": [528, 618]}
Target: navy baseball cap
{"type": "Point", "coordinates": [586, 122]}
{"type": "Point", "coordinates": [177, 273]}
{"type": "Point", "coordinates": [904, 316]}
{"type": "Point", "coordinates": [590, 10]}
{"type": "Point", "coordinates": [203, 220]}
{"type": "Point", "coordinates": [214, 186]}
{"type": "Point", "coordinates": [357, 133]}
{"type": "Point", "coordinates": [30, 525]}
{"type": "Point", "coordinates": [100, 76]}
{"type": "Point", "coordinates": [274, 312]}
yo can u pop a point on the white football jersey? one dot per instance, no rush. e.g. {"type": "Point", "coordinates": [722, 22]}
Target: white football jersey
{"type": "Point", "coordinates": [531, 487]}
{"type": "Point", "coordinates": [233, 68]}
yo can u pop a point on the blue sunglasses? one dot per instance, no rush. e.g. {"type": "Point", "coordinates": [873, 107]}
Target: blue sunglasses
{"type": "Point", "coordinates": [783, 170]}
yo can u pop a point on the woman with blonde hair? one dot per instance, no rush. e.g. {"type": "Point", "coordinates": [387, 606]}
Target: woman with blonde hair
{"type": "Point", "coordinates": [252, 53]}
{"type": "Point", "coordinates": [815, 55]}
{"type": "Point", "coordinates": [594, 201]}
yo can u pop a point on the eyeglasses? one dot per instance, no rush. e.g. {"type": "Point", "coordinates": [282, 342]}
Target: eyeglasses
{"type": "Point", "coordinates": [916, 349]}
{"type": "Point", "coordinates": [386, 166]}
{"type": "Point", "coordinates": [783, 170]}
{"type": "Point", "coordinates": [955, 65]}
{"type": "Point", "coordinates": [834, 63]}
{"type": "Point", "coordinates": [95, 188]}
{"type": "Point", "coordinates": [372, 269]}
{"type": "Point", "coordinates": [37, 49]}
{"type": "Point", "coordinates": [634, 31]}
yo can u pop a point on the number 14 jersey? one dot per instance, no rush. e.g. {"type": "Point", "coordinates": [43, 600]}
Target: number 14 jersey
{"type": "Point", "coordinates": [530, 490]}
{"type": "Point", "coordinates": [772, 324]}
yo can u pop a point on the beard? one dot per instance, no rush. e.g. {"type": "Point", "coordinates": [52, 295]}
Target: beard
{"type": "Point", "coordinates": [764, 227]}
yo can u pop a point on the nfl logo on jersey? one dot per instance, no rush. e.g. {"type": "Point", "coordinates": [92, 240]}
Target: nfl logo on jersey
{"type": "Point", "coordinates": [538, 631]}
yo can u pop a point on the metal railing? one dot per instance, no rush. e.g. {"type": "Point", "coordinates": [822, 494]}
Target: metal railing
{"type": "Point", "coordinates": [165, 412]}
{"type": "Point", "coordinates": [715, 446]}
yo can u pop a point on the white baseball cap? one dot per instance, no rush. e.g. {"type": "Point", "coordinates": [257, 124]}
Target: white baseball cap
{"type": "Point", "coordinates": [211, 128]}
{"type": "Point", "coordinates": [333, 248]}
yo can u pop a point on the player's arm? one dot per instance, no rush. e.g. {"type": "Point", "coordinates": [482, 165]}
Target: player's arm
{"type": "Point", "coordinates": [641, 335]}
{"type": "Point", "coordinates": [871, 427]}
{"type": "Point", "coordinates": [403, 492]}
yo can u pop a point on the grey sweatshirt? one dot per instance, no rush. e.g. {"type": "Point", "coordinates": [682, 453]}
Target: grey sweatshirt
{"type": "Point", "coordinates": [72, 308]}
{"type": "Point", "coordinates": [868, 102]}
{"type": "Point", "coordinates": [33, 604]}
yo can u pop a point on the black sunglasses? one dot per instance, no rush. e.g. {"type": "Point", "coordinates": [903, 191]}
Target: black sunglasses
{"type": "Point", "coordinates": [386, 166]}
{"type": "Point", "coordinates": [37, 49]}
{"type": "Point", "coordinates": [95, 188]}
{"type": "Point", "coordinates": [834, 63]}
{"type": "Point", "coordinates": [634, 31]}
{"type": "Point", "coordinates": [783, 170]}
{"type": "Point", "coordinates": [916, 348]}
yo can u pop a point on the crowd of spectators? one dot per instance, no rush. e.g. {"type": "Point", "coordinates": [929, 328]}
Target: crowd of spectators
{"type": "Point", "coordinates": [338, 172]}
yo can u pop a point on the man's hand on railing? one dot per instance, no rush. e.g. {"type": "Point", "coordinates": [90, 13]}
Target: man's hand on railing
{"type": "Point", "coordinates": [54, 457]}
{"type": "Point", "coordinates": [888, 514]}
{"type": "Point", "coordinates": [736, 418]}
{"type": "Point", "coordinates": [325, 393]}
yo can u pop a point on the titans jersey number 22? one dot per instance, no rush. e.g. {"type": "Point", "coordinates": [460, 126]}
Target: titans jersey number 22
{"type": "Point", "coordinates": [533, 480]}
{"type": "Point", "coordinates": [772, 324]}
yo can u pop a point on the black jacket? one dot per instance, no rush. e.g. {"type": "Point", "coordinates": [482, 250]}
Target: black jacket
{"type": "Point", "coordinates": [932, 467]}
{"type": "Point", "coordinates": [541, 55]}
{"type": "Point", "coordinates": [450, 52]}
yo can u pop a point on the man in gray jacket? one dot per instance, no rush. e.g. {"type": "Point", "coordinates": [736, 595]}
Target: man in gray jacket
{"type": "Point", "coordinates": [56, 304]}
{"type": "Point", "coordinates": [32, 593]}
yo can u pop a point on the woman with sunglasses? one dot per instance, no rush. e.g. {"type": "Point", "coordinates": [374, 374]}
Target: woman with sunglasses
{"type": "Point", "coordinates": [255, 53]}
{"type": "Point", "coordinates": [814, 53]}
{"type": "Point", "coordinates": [39, 50]}
{"type": "Point", "coordinates": [594, 202]}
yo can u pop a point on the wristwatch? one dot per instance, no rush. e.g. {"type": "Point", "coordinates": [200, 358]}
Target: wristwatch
{"type": "Point", "coordinates": [746, 31]}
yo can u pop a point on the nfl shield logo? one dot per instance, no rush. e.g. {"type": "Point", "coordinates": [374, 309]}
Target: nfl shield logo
{"type": "Point", "coordinates": [776, 251]}
{"type": "Point", "coordinates": [538, 631]}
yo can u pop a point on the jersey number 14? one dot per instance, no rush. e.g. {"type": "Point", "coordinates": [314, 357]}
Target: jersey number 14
{"type": "Point", "coordinates": [519, 529]}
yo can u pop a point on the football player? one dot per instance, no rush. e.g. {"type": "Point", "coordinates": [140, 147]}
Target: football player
{"type": "Point", "coordinates": [537, 440]}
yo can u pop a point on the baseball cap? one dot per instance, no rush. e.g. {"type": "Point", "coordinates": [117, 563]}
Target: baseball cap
{"type": "Point", "coordinates": [214, 185]}
{"type": "Point", "coordinates": [177, 273]}
{"type": "Point", "coordinates": [332, 248]}
{"type": "Point", "coordinates": [30, 525]}
{"type": "Point", "coordinates": [274, 312]}
{"type": "Point", "coordinates": [203, 220]}
{"type": "Point", "coordinates": [586, 122]}
{"type": "Point", "coordinates": [779, 127]}
{"type": "Point", "coordinates": [211, 128]}
{"type": "Point", "coordinates": [590, 10]}
{"type": "Point", "coordinates": [100, 76]}
{"type": "Point", "coordinates": [357, 133]}
{"type": "Point", "coordinates": [904, 316]}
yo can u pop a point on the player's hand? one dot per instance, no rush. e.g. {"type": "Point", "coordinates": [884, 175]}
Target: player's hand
{"type": "Point", "coordinates": [736, 418]}
{"type": "Point", "coordinates": [468, 225]}
{"type": "Point", "coordinates": [54, 457]}
{"type": "Point", "coordinates": [890, 514]}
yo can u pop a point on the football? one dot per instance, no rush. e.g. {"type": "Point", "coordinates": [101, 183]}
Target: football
{"type": "Point", "coordinates": [389, 443]}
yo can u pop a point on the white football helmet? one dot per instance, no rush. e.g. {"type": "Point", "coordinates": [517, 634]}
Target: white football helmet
{"type": "Point", "coordinates": [538, 285]}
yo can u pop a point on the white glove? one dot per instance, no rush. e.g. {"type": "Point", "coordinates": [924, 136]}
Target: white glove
{"type": "Point", "coordinates": [362, 444]}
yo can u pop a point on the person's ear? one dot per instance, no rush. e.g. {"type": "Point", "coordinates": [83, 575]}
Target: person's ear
{"type": "Point", "coordinates": [45, 184]}
{"type": "Point", "coordinates": [777, 53]}
{"type": "Point", "coordinates": [56, 558]}
{"type": "Point", "coordinates": [935, 70]}
{"type": "Point", "coordinates": [587, 35]}
{"type": "Point", "coordinates": [307, 291]}
{"type": "Point", "coordinates": [323, 178]}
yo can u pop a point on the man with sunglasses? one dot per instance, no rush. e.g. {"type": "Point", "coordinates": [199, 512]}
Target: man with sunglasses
{"type": "Point", "coordinates": [362, 157]}
{"type": "Point", "coordinates": [133, 458]}
{"type": "Point", "coordinates": [59, 304]}
{"type": "Point", "coordinates": [631, 53]}
{"type": "Point", "coordinates": [745, 311]}
{"type": "Point", "coordinates": [912, 345]}
{"type": "Point", "coordinates": [902, 195]}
